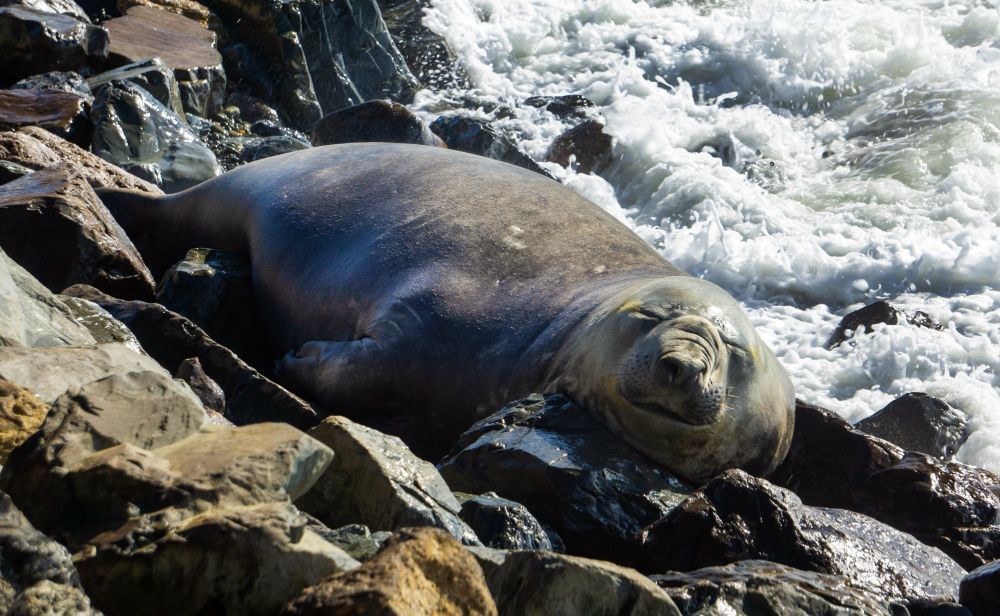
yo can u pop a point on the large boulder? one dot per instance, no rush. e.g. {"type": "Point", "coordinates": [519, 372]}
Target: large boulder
{"type": "Point", "coordinates": [373, 121]}
{"type": "Point", "coordinates": [376, 480]}
{"type": "Point", "coordinates": [980, 590]}
{"type": "Point", "coordinates": [21, 414]}
{"type": "Point", "coordinates": [33, 41]}
{"type": "Point", "coordinates": [949, 505]}
{"type": "Point", "coordinates": [53, 224]}
{"type": "Point", "coordinates": [921, 423]}
{"type": "Point", "coordinates": [151, 75]}
{"type": "Point", "coordinates": [418, 572]}
{"type": "Point", "coordinates": [739, 517]}
{"type": "Point", "coordinates": [569, 471]}
{"type": "Point", "coordinates": [62, 113]}
{"type": "Point", "coordinates": [480, 137]}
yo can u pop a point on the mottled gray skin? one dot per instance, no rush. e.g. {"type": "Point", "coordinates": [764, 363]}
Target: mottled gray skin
{"type": "Point", "coordinates": [419, 289]}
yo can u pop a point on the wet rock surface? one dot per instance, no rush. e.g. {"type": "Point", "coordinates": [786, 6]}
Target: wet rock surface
{"type": "Point", "coordinates": [373, 121]}
{"type": "Point", "coordinates": [503, 524]}
{"type": "Point", "coordinates": [34, 41]}
{"type": "Point", "coordinates": [585, 146]}
{"type": "Point", "coordinates": [572, 474]}
{"type": "Point", "coordinates": [571, 106]}
{"type": "Point", "coordinates": [861, 321]}
{"type": "Point", "coordinates": [480, 137]}
{"type": "Point", "coordinates": [980, 590]}
{"type": "Point", "coordinates": [426, 53]}
{"type": "Point", "coordinates": [63, 113]}
{"type": "Point", "coordinates": [151, 75]}
{"type": "Point", "coordinates": [57, 81]}
{"type": "Point", "coordinates": [53, 224]}
{"type": "Point", "coordinates": [207, 390]}
{"type": "Point", "coordinates": [918, 422]}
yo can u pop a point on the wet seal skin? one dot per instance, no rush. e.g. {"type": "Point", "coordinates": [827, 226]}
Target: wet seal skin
{"type": "Point", "coordinates": [418, 289]}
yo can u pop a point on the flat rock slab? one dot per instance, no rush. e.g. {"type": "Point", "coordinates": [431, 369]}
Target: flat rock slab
{"type": "Point", "coordinates": [146, 32]}
{"type": "Point", "coordinates": [53, 224]}
{"type": "Point", "coordinates": [33, 42]}
{"type": "Point", "coordinates": [188, 8]}
{"type": "Point", "coordinates": [63, 113]}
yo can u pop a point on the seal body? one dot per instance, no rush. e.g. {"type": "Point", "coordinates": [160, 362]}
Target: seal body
{"type": "Point", "coordinates": [418, 289]}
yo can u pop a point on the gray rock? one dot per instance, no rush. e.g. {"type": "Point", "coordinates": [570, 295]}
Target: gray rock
{"type": "Point", "coordinates": [135, 131]}
{"type": "Point", "coordinates": [355, 539]}
{"type": "Point", "coordinates": [861, 321]}
{"type": "Point", "coordinates": [383, 121]}
{"type": "Point", "coordinates": [549, 584]}
{"type": "Point", "coordinates": [10, 171]}
{"type": "Point", "coordinates": [99, 322]}
{"type": "Point", "coordinates": [375, 480]}
{"type": "Point", "coordinates": [152, 76]}
{"type": "Point", "coordinates": [980, 590]}
{"type": "Point", "coordinates": [480, 137]}
{"type": "Point", "coordinates": [62, 81]}
{"type": "Point", "coordinates": [207, 390]}
{"type": "Point", "coordinates": [744, 588]}
{"type": "Point", "coordinates": [425, 52]}
{"type": "Point", "coordinates": [265, 147]}
{"type": "Point", "coordinates": [569, 471]}
{"type": "Point", "coordinates": [62, 7]}
{"type": "Point", "coordinates": [918, 422]}
{"type": "Point", "coordinates": [504, 524]}
{"type": "Point", "coordinates": [33, 42]}
{"type": "Point", "coordinates": [739, 517]}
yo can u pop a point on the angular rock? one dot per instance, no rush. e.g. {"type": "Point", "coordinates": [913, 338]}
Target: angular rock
{"type": "Point", "coordinates": [569, 471]}
{"type": "Point", "coordinates": [373, 121]}
{"type": "Point", "coordinates": [949, 505]}
{"type": "Point", "coordinates": [253, 109]}
{"type": "Point", "coordinates": [57, 209]}
{"type": "Point", "coordinates": [419, 571]}
{"type": "Point", "coordinates": [862, 320]}
{"type": "Point", "coordinates": [266, 147]}
{"type": "Point", "coordinates": [503, 524]}
{"type": "Point", "coordinates": [739, 517]}
{"type": "Point", "coordinates": [571, 106]}
{"type": "Point", "coordinates": [743, 588]}
{"type": "Point", "coordinates": [21, 415]}
{"type": "Point", "coordinates": [585, 146]}
{"type": "Point", "coordinates": [183, 45]}
{"type": "Point", "coordinates": [135, 131]}
{"type": "Point", "coordinates": [170, 339]}
{"type": "Point", "coordinates": [918, 422]}
{"type": "Point", "coordinates": [980, 590]}
{"type": "Point", "coordinates": [188, 8]}
{"type": "Point", "coordinates": [355, 539]}
{"type": "Point", "coordinates": [375, 480]}
{"type": "Point", "coordinates": [152, 76]}
{"type": "Point", "coordinates": [99, 322]}
{"type": "Point", "coordinates": [207, 390]}
{"type": "Point", "coordinates": [36, 148]}
{"type": "Point", "coordinates": [425, 52]}
{"type": "Point", "coordinates": [33, 42]}
{"type": "Point", "coordinates": [62, 7]}
{"type": "Point", "coordinates": [479, 137]}
{"type": "Point", "coordinates": [548, 584]}
{"type": "Point", "coordinates": [58, 81]}
{"type": "Point", "coordinates": [244, 560]}
{"type": "Point", "coordinates": [62, 113]}
{"type": "Point", "coordinates": [11, 171]}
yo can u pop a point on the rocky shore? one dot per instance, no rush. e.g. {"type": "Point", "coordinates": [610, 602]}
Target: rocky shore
{"type": "Point", "coordinates": [151, 464]}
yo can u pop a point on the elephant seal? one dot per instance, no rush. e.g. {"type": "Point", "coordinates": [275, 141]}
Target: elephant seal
{"type": "Point", "coordinates": [418, 289]}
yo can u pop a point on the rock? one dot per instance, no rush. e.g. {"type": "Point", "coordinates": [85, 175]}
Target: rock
{"type": "Point", "coordinates": [58, 81]}
{"type": "Point", "coordinates": [419, 571]}
{"type": "Point", "coordinates": [99, 322]}
{"type": "Point", "coordinates": [479, 137]}
{"type": "Point", "coordinates": [980, 590]}
{"type": "Point", "coordinates": [280, 51]}
{"type": "Point", "coordinates": [11, 171]}
{"type": "Point", "coordinates": [743, 588]}
{"type": "Point", "coordinates": [952, 506]}
{"type": "Point", "coordinates": [207, 390]}
{"type": "Point", "coordinates": [188, 8]}
{"type": "Point", "coordinates": [37, 572]}
{"type": "Point", "coordinates": [62, 113]}
{"type": "Point", "coordinates": [56, 208]}
{"type": "Point", "coordinates": [214, 289]}
{"type": "Point", "coordinates": [242, 560]}
{"type": "Point", "coordinates": [150, 75]}
{"type": "Point", "coordinates": [183, 45]}
{"type": "Point", "coordinates": [425, 52]}
{"type": "Point", "coordinates": [375, 480]}
{"type": "Point", "coordinates": [171, 339]}
{"type": "Point", "coordinates": [918, 422]}
{"type": "Point", "coordinates": [135, 131]}
{"type": "Point", "coordinates": [548, 584]}
{"type": "Point", "coordinates": [33, 42]}
{"type": "Point", "coordinates": [571, 106]}
{"type": "Point", "coordinates": [355, 539]}
{"type": "Point", "coordinates": [265, 147]}
{"type": "Point", "coordinates": [62, 7]}
{"type": "Point", "coordinates": [863, 319]}
{"type": "Point", "coordinates": [503, 524]}
{"type": "Point", "coordinates": [739, 517]}
{"type": "Point", "coordinates": [21, 414]}
{"type": "Point", "coordinates": [586, 145]}
{"type": "Point", "coordinates": [36, 148]}
{"type": "Point", "coordinates": [373, 121]}
{"type": "Point", "coordinates": [569, 471]}
{"type": "Point", "coordinates": [253, 109]}
{"type": "Point", "coordinates": [31, 316]}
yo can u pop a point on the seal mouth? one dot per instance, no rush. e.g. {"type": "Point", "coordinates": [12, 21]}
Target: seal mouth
{"type": "Point", "coordinates": [667, 413]}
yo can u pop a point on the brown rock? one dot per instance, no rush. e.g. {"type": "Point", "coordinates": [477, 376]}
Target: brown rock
{"type": "Point", "coordinates": [21, 415]}
{"type": "Point", "coordinates": [418, 571]}
{"type": "Point", "coordinates": [187, 8]}
{"type": "Point", "coordinates": [63, 113]}
{"type": "Point", "coordinates": [37, 148]}
{"type": "Point", "coordinates": [587, 143]}
{"type": "Point", "coordinates": [53, 224]}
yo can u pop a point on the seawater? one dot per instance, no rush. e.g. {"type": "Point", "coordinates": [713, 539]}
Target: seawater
{"type": "Point", "coordinates": [808, 156]}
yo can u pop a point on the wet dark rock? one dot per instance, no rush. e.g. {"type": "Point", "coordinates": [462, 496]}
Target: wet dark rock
{"type": "Point", "coordinates": [355, 539]}
{"type": "Point", "coordinates": [949, 505]}
{"type": "Point", "coordinates": [265, 147]}
{"type": "Point", "coordinates": [933, 607]}
{"type": "Point", "coordinates": [980, 590]}
{"type": "Point", "coordinates": [150, 75]}
{"type": "Point", "coordinates": [585, 146]}
{"type": "Point", "coordinates": [921, 423]}
{"type": "Point", "coordinates": [534, 583]}
{"type": "Point", "coordinates": [214, 289]}
{"type": "Point", "coordinates": [739, 517]}
{"type": "Point", "coordinates": [569, 471]}
{"type": "Point", "coordinates": [373, 121]}
{"type": "Point", "coordinates": [862, 320]}
{"type": "Point", "coordinates": [746, 587]}
{"type": "Point", "coordinates": [10, 171]}
{"type": "Point", "coordinates": [253, 109]}
{"type": "Point", "coordinates": [503, 524]}
{"type": "Point", "coordinates": [565, 106]}
{"type": "Point", "coordinates": [311, 57]}
{"type": "Point", "coordinates": [37, 148]}
{"type": "Point", "coordinates": [170, 339]}
{"type": "Point", "coordinates": [183, 45]}
{"type": "Point", "coordinates": [62, 113]}
{"type": "Point", "coordinates": [135, 131]}
{"type": "Point", "coordinates": [425, 52]}
{"type": "Point", "coordinates": [207, 390]}
{"type": "Point", "coordinates": [33, 42]}
{"type": "Point", "coordinates": [53, 224]}
{"type": "Point", "coordinates": [479, 137]}
{"type": "Point", "coordinates": [62, 7]}
{"type": "Point", "coordinates": [59, 81]}
{"type": "Point", "coordinates": [99, 322]}
{"type": "Point", "coordinates": [376, 480]}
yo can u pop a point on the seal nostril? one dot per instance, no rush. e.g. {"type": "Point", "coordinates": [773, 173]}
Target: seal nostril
{"type": "Point", "coordinates": [671, 369]}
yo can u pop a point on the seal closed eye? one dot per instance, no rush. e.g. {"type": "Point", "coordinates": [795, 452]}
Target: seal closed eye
{"type": "Point", "coordinates": [417, 289]}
